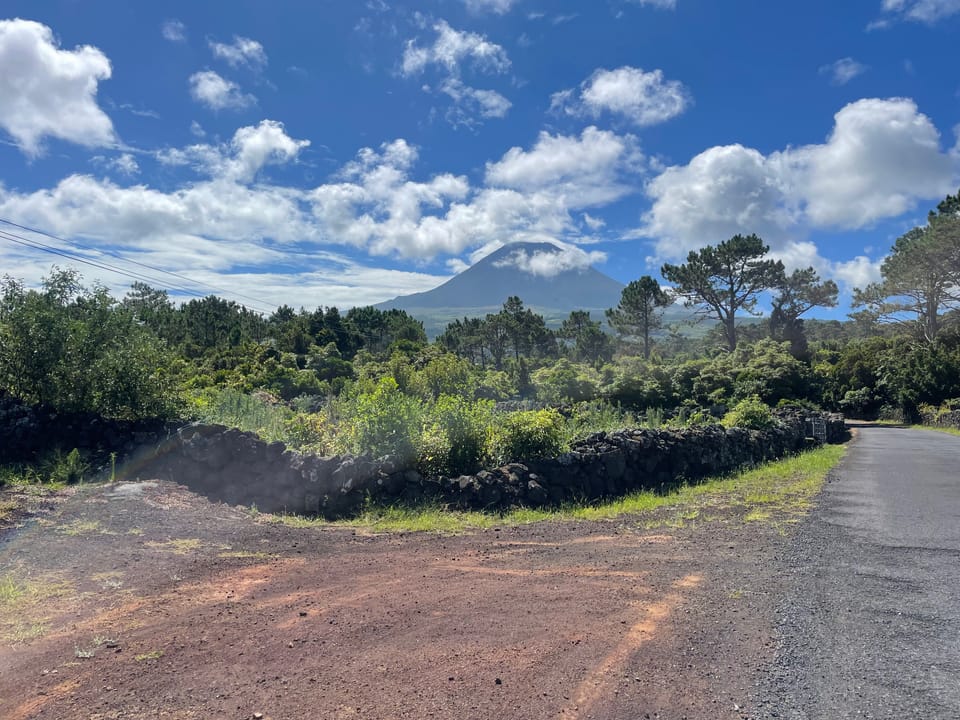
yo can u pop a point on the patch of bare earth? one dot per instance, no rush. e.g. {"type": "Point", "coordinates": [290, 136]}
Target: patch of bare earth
{"type": "Point", "coordinates": [145, 601]}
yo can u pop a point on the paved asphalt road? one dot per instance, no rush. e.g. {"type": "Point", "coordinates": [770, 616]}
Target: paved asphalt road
{"type": "Point", "coordinates": [870, 624]}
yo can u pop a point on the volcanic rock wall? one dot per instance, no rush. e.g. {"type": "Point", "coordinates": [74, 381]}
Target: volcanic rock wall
{"type": "Point", "coordinates": [27, 431]}
{"type": "Point", "coordinates": [239, 468]}
{"type": "Point", "coordinates": [937, 418]}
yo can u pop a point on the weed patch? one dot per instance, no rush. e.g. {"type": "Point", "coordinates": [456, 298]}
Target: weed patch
{"type": "Point", "coordinates": [82, 527]}
{"type": "Point", "coordinates": [23, 606]}
{"type": "Point", "coordinates": [179, 546]}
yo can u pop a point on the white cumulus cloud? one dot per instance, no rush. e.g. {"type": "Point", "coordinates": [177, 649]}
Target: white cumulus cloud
{"type": "Point", "coordinates": [924, 11]}
{"type": "Point", "coordinates": [174, 31]}
{"type": "Point", "coordinates": [500, 7]}
{"type": "Point", "coordinates": [719, 193]}
{"type": "Point", "coordinates": [857, 273]}
{"type": "Point", "coordinates": [470, 103]}
{"type": "Point", "coordinates": [642, 98]}
{"type": "Point", "coordinates": [588, 170]}
{"type": "Point", "coordinates": [451, 48]}
{"type": "Point", "coordinates": [549, 263]}
{"type": "Point", "coordinates": [251, 149]}
{"type": "Point", "coordinates": [843, 71]}
{"type": "Point", "coordinates": [450, 52]}
{"type": "Point", "coordinates": [880, 160]}
{"type": "Point", "coordinates": [663, 4]}
{"type": "Point", "coordinates": [53, 92]}
{"type": "Point", "coordinates": [124, 164]}
{"type": "Point", "coordinates": [218, 93]}
{"type": "Point", "coordinates": [241, 52]}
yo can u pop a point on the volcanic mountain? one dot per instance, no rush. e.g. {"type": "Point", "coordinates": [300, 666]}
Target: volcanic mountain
{"type": "Point", "coordinates": [512, 270]}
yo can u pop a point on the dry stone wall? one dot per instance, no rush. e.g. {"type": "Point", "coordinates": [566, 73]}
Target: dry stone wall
{"type": "Point", "coordinates": [239, 468]}
{"type": "Point", "coordinates": [27, 431]}
{"type": "Point", "coordinates": [936, 418]}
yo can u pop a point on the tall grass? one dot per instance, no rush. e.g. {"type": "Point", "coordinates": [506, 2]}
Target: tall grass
{"type": "Point", "coordinates": [598, 416]}
{"type": "Point", "coordinates": [251, 413]}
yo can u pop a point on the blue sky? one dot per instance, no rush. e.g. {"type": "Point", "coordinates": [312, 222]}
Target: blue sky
{"type": "Point", "coordinates": [318, 153]}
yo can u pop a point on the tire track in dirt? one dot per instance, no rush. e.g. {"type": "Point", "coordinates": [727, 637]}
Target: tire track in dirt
{"type": "Point", "coordinates": [597, 683]}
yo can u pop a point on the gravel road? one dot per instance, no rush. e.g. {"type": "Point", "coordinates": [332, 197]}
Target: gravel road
{"type": "Point", "coordinates": [870, 624]}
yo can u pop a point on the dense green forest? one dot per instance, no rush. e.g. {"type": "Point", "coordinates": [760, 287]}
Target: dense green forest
{"type": "Point", "coordinates": [367, 380]}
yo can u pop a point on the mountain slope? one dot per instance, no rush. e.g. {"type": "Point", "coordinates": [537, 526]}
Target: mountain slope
{"type": "Point", "coordinates": [489, 282]}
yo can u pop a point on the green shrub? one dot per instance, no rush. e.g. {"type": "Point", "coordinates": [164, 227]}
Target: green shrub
{"type": "Point", "coordinates": [456, 437]}
{"type": "Point", "coordinates": [307, 432]}
{"type": "Point", "coordinates": [495, 385]}
{"type": "Point", "coordinates": [529, 434]}
{"type": "Point", "coordinates": [861, 403]}
{"type": "Point", "coordinates": [698, 417]}
{"type": "Point", "coordinates": [565, 382]}
{"type": "Point", "coordinates": [750, 413]}
{"type": "Point", "coordinates": [58, 467]}
{"type": "Point", "coordinates": [383, 422]}
{"type": "Point", "coordinates": [447, 375]}
{"type": "Point", "coordinates": [433, 457]}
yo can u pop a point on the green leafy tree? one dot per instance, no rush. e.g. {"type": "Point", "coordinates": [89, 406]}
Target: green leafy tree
{"type": "Point", "coordinates": [465, 338]}
{"type": "Point", "coordinates": [750, 413]}
{"type": "Point", "coordinates": [950, 205]}
{"type": "Point", "coordinates": [800, 292]}
{"type": "Point", "coordinates": [384, 421]}
{"type": "Point", "coordinates": [77, 349]}
{"type": "Point", "coordinates": [590, 342]}
{"type": "Point", "coordinates": [496, 336]}
{"type": "Point", "coordinates": [921, 279]}
{"type": "Point", "coordinates": [455, 439]}
{"type": "Point", "coordinates": [291, 330]}
{"type": "Point", "coordinates": [640, 311]}
{"type": "Point", "coordinates": [726, 279]}
{"type": "Point", "coordinates": [379, 329]}
{"type": "Point", "coordinates": [447, 375]}
{"type": "Point", "coordinates": [35, 329]}
{"type": "Point", "coordinates": [639, 384]}
{"type": "Point", "coordinates": [768, 370]}
{"type": "Point", "coordinates": [527, 331]}
{"type": "Point", "coordinates": [212, 322]}
{"type": "Point", "coordinates": [154, 309]}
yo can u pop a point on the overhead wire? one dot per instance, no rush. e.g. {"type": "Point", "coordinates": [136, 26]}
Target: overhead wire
{"type": "Point", "coordinates": [263, 306]}
{"type": "Point", "coordinates": [26, 242]}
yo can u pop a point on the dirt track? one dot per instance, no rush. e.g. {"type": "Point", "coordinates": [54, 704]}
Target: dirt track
{"type": "Point", "coordinates": [145, 601]}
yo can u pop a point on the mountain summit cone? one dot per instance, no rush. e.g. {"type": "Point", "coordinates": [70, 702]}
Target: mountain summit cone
{"type": "Point", "coordinates": [485, 286]}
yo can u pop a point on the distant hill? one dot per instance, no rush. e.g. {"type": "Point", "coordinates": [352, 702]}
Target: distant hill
{"type": "Point", "coordinates": [485, 286]}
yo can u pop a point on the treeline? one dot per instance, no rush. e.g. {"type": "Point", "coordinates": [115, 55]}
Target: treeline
{"type": "Point", "coordinates": [78, 348]}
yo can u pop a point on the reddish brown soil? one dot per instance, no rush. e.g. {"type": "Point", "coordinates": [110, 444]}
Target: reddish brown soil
{"type": "Point", "coordinates": [244, 619]}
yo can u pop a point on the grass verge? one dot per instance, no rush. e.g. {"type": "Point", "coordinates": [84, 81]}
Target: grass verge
{"type": "Point", "coordinates": [936, 428]}
{"type": "Point", "coordinates": [782, 489]}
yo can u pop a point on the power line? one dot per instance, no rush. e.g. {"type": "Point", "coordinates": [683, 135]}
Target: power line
{"type": "Point", "coordinates": [36, 245]}
{"type": "Point", "coordinates": [33, 244]}
{"type": "Point", "coordinates": [128, 260]}
{"type": "Point", "coordinates": [105, 266]}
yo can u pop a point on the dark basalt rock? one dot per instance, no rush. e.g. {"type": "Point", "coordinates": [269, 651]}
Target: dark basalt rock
{"type": "Point", "coordinates": [238, 467]}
